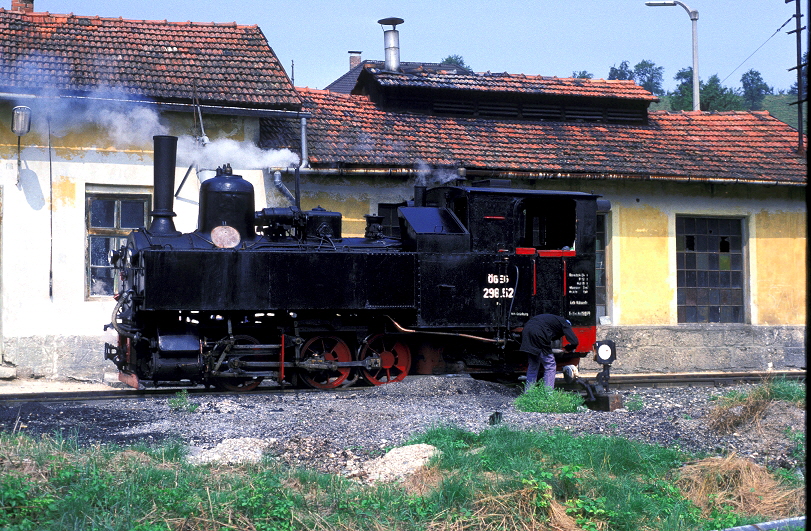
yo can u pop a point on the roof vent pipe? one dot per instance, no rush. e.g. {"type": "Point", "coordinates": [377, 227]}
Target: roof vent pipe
{"type": "Point", "coordinates": [391, 40]}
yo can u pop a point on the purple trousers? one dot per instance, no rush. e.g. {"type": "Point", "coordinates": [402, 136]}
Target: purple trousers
{"type": "Point", "coordinates": [546, 360]}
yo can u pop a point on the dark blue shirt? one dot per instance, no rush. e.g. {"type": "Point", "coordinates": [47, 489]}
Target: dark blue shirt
{"type": "Point", "coordinates": [540, 331]}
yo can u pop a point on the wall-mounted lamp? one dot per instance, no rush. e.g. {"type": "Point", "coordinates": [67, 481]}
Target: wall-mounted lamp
{"type": "Point", "coordinates": [20, 125]}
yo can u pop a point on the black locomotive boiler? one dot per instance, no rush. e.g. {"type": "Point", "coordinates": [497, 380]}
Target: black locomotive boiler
{"type": "Point", "coordinates": [438, 284]}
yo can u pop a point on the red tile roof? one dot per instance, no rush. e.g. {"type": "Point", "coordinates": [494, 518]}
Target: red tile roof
{"type": "Point", "coordinates": [349, 130]}
{"type": "Point", "coordinates": [230, 64]}
{"type": "Point", "coordinates": [514, 83]}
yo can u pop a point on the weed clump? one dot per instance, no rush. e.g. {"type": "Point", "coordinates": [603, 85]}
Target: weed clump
{"type": "Point", "coordinates": [181, 402]}
{"type": "Point", "coordinates": [539, 398]}
{"type": "Point", "coordinates": [736, 485]}
{"type": "Point", "coordinates": [737, 409]}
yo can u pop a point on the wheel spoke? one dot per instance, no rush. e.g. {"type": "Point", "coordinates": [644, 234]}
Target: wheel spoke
{"type": "Point", "coordinates": [326, 349]}
{"type": "Point", "coordinates": [395, 359]}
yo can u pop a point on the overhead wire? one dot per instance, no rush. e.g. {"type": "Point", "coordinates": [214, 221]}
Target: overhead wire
{"type": "Point", "coordinates": [758, 48]}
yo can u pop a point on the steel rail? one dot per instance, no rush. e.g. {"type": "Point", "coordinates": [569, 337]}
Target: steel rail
{"type": "Point", "coordinates": [617, 382]}
{"type": "Point", "coordinates": [717, 379]}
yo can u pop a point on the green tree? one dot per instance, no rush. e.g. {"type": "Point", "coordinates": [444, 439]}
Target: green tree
{"type": "Point", "coordinates": [716, 97]}
{"type": "Point", "coordinates": [623, 72]}
{"type": "Point", "coordinates": [650, 76]}
{"type": "Point", "coordinates": [712, 95]}
{"type": "Point", "coordinates": [456, 60]}
{"type": "Point", "coordinates": [681, 98]}
{"type": "Point", "coordinates": [754, 90]}
{"type": "Point", "coordinates": [582, 75]}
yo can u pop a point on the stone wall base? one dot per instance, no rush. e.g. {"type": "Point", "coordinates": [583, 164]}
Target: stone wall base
{"type": "Point", "coordinates": [56, 357]}
{"type": "Point", "coordinates": [709, 347]}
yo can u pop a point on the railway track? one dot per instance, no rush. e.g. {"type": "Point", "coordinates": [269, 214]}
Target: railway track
{"type": "Point", "coordinates": [715, 379]}
{"type": "Point", "coordinates": [618, 382]}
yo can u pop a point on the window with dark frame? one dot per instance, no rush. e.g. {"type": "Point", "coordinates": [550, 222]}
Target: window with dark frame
{"type": "Point", "coordinates": [710, 270]}
{"type": "Point", "coordinates": [599, 266]}
{"type": "Point", "coordinates": [109, 219]}
{"type": "Point", "coordinates": [548, 224]}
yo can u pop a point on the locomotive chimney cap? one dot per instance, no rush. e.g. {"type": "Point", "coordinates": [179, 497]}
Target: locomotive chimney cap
{"type": "Point", "coordinates": [391, 21]}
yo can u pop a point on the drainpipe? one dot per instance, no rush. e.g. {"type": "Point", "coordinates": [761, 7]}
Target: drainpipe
{"type": "Point", "coordinates": [305, 163]}
{"type": "Point", "coordinates": [277, 182]}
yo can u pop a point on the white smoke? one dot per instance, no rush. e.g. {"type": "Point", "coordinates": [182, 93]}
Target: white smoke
{"type": "Point", "coordinates": [428, 175]}
{"type": "Point", "coordinates": [125, 122]}
{"type": "Point", "coordinates": [128, 123]}
{"type": "Point", "coordinates": [240, 155]}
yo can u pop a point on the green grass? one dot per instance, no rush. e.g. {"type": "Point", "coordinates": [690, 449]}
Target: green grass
{"type": "Point", "coordinates": [180, 402]}
{"type": "Point", "coordinates": [635, 403]}
{"type": "Point", "coordinates": [497, 479]}
{"type": "Point", "coordinates": [541, 399]}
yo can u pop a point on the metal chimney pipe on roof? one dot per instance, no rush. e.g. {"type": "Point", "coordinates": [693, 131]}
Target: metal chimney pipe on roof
{"type": "Point", "coordinates": [391, 40]}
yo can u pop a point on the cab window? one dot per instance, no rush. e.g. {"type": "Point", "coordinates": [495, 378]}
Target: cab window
{"type": "Point", "coordinates": [547, 223]}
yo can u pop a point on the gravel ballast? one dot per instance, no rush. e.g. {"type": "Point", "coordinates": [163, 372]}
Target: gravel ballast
{"type": "Point", "coordinates": [333, 432]}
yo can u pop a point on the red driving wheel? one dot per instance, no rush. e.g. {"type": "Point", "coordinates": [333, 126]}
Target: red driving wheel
{"type": "Point", "coordinates": [328, 349]}
{"type": "Point", "coordinates": [395, 359]}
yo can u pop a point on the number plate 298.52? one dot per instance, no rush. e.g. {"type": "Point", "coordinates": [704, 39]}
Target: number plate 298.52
{"type": "Point", "coordinates": [498, 293]}
{"type": "Point", "coordinates": [500, 290]}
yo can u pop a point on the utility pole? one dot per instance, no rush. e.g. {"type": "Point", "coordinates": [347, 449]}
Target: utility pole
{"type": "Point", "coordinates": [801, 98]}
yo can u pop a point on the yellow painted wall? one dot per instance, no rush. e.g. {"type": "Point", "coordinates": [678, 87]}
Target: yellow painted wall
{"type": "Point", "coordinates": [644, 291]}
{"type": "Point", "coordinates": [780, 240]}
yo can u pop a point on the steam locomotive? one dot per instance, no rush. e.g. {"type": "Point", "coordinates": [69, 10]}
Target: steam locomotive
{"type": "Point", "coordinates": [438, 284]}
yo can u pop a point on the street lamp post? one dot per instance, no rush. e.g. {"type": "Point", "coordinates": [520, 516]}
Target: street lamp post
{"type": "Point", "coordinates": [693, 17]}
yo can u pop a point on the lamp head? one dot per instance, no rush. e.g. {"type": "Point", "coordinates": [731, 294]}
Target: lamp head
{"type": "Point", "coordinates": [20, 120]}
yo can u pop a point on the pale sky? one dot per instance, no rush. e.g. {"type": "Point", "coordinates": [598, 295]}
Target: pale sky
{"type": "Point", "coordinates": [544, 37]}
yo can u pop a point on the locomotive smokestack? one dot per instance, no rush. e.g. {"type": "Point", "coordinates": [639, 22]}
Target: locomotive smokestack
{"type": "Point", "coordinates": [391, 40]}
{"type": "Point", "coordinates": [164, 168]}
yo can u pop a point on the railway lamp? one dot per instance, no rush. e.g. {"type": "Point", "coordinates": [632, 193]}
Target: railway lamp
{"type": "Point", "coordinates": [605, 352]}
{"type": "Point", "coordinates": [20, 125]}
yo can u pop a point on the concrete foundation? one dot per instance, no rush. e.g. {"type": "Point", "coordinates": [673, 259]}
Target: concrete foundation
{"type": "Point", "coordinates": [709, 347]}
{"type": "Point", "coordinates": [55, 357]}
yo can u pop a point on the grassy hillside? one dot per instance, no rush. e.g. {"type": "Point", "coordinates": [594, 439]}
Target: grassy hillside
{"type": "Point", "coordinates": [778, 106]}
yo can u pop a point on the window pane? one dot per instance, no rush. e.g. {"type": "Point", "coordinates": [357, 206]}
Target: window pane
{"type": "Point", "coordinates": [100, 250]}
{"type": "Point", "coordinates": [599, 266]}
{"type": "Point", "coordinates": [102, 213]}
{"type": "Point", "coordinates": [702, 297]}
{"type": "Point", "coordinates": [102, 281]}
{"type": "Point", "coordinates": [132, 214]}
